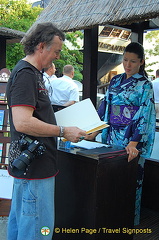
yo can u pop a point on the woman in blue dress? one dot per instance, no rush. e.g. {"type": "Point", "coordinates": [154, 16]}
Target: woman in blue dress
{"type": "Point", "coordinates": [128, 108]}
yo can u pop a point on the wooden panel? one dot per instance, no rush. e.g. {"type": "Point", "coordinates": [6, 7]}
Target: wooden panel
{"type": "Point", "coordinates": [94, 194]}
{"type": "Point", "coordinates": [5, 206]}
{"type": "Point", "coordinates": [150, 193]}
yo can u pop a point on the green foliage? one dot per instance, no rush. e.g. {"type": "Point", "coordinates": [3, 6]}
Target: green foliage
{"type": "Point", "coordinates": [19, 15]}
{"type": "Point", "coordinates": [153, 38]}
{"type": "Point", "coordinates": [73, 36]}
{"type": "Point", "coordinates": [73, 57]}
{"type": "Point", "coordinates": [14, 54]}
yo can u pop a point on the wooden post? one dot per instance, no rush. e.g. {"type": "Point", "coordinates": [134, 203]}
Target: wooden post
{"type": "Point", "coordinates": [3, 52]}
{"type": "Point", "coordinates": [90, 64]}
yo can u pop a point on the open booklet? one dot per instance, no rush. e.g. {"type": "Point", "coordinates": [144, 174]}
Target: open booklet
{"type": "Point", "coordinates": [82, 115]}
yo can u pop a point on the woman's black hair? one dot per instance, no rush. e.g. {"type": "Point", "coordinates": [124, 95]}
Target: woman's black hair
{"type": "Point", "coordinates": [137, 48]}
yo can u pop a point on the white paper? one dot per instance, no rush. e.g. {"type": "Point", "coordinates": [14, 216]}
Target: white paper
{"type": "Point", "coordinates": [88, 144]}
{"type": "Point", "coordinates": [6, 184]}
{"type": "Point", "coordinates": [82, 114]}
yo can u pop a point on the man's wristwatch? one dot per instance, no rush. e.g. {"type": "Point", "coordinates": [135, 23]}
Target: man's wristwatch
{"type": "Point", "coordinates": [61, 134]}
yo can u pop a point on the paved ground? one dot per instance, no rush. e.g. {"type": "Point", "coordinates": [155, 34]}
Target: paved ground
{"type": "Point", "coordinates": [149, 220]}
{"type": "Point", "coordinates": [3, 228]}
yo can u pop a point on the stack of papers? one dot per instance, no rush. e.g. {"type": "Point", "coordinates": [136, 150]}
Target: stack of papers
{"type": "Point", "coordinates": [103, 152]}
{"type": "Point", "coordinates": [88, 144]}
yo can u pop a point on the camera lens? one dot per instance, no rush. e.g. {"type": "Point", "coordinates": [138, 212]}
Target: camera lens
{"type": "Point", "coordinates": [32, 148]}
{"type": "Point", "coordinates": [19, 165]}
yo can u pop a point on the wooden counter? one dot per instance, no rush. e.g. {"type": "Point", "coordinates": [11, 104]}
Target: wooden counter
{"type": "Point", "coordinates": [94, 194]}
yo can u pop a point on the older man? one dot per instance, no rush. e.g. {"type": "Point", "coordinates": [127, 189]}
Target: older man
{"type": "Point", "coordinates": [33, 153]}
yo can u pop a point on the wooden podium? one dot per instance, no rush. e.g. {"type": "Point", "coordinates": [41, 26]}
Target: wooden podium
{"type": "Point", "coordinates": [94, 195]}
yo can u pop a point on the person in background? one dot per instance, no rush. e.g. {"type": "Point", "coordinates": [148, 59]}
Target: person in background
{"type": "Point", "coordinates": [65, 91]}
{"type": "Point", "coordinates": [49, 76]}
{"type": "Point", "coordinates": [33, 147]}
{"type": "Point", "coordinates": [155, 84]}
{"type": "Point", "coordinates": [128, 107]}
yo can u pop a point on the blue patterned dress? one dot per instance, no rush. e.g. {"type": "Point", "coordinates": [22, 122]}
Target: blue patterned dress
{"type": "Point", "coordinates": [128, 108]}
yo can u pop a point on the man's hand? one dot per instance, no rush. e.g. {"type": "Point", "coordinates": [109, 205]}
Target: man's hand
{"type": "Point", "coordinates": [74, 134]}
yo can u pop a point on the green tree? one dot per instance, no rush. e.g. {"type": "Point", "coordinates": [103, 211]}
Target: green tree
{"type": "Point", "coordinates": [17, 15]}
{"type": "Point", "coordinates": [73, 57]}
{"type": "Point", "coordinates": [152, 37]}
{"type": "Point", "coordinates": [20, 15]}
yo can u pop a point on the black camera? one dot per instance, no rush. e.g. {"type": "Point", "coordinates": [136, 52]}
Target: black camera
{"type": "Point", "coordinates": [30, 149]}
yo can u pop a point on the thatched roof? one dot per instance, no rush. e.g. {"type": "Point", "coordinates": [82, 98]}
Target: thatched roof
{"type": "Point", "coordinates": [11, 35]}
{"type": "Point", "coordinates": [82, 14]}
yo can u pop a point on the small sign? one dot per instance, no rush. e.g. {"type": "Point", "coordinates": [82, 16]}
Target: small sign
{"type": "Point", "coordinates": [6, 184]}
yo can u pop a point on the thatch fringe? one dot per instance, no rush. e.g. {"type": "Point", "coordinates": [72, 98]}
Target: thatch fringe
{"type": "Point", "coordinates": [11, 33]}
{"type": "Point", "coordinates": [82, 14]}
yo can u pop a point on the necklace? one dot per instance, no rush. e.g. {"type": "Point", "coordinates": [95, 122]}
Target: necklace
{"type": "Point", "coordinates": [50, 90]}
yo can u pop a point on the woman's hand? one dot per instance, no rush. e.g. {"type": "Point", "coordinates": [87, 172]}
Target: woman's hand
{"type": "Point", "coordinates": [132, 150]}
{"type": "Point", "coordinates": [91, 136]}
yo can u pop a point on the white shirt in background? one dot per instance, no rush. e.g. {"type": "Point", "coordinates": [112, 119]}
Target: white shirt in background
{"type": "Point", "coordinates": [64, 90]}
